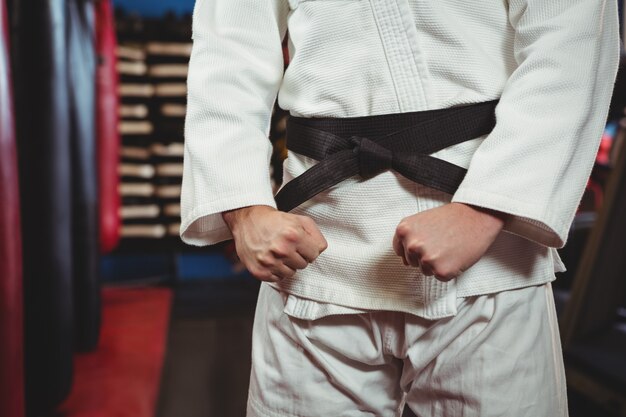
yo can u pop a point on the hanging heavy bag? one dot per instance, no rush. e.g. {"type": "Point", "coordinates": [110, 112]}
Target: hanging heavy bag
{"type": "Point", "coordinates": [39, 58]}
{"type": "Point", "coordinates": [82, 84]}
{"type": "Point", "coordinates": [107, 119]}
{"type": "Point", "coordinates": [11, 332]}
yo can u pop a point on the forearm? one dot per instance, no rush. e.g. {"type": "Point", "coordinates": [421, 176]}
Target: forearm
{"type": "Point", "coordinates": [535, 163]}
{"type": "Point", "coordinates": [235, 70]}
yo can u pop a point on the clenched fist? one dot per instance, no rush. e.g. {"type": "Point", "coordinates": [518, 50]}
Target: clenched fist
{"type": "Point", "coordinates": [273, 244]}
{"type": "Point", "coordinates": [447, 240]}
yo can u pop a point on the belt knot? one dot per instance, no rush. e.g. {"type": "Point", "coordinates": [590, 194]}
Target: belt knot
{"type": "Point", "coordinates": [373, 158]}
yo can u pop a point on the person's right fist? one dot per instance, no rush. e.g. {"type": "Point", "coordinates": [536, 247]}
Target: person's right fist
{"type": "Point", "coordinates": [272, 244]}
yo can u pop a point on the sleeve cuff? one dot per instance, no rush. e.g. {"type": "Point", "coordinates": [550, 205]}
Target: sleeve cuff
{"type": "Point", "coordinates": [204, 224]}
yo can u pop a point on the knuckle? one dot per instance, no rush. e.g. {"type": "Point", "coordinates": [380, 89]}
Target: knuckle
{"type": "Point", "coordinates": [415, 247]}
{"type": "Point", "coordinates": [429, 260]}
{"type": "Point", "coordinates": [402, 229]}
{"type": "Point", "coordinates": [291, 234]}
{"type": "Point", "coordinates": [264, 259]}
{"type": "Point", "coordinates": [444, 274]}
{"type": "Point", "coordinates": [278, 249]}
{"type": "Point", "coordinates": [307, 220]}
{"type": "Point", "coordinates": [439, 273]}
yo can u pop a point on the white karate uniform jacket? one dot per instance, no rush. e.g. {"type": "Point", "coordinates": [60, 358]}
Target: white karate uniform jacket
{"type": "Point", "coordinates": [552, 64]}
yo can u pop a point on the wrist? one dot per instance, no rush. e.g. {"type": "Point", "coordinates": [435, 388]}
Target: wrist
{"type": "Point", "coordinates": [234, 217]}
{"type": "Point", "coordinates": [495, 217]}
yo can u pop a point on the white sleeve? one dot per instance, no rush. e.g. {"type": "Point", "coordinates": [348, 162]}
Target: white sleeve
{"type": "Point", "coordinates": [535, 164]}
{"type": "Point", "coordinates": [235, 70]}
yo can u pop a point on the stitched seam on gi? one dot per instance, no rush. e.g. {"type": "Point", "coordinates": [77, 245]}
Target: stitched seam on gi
{"type": "Point", "coordinates": [379, 25]}
{"type": "Point", "coordinates": [399, 55]}
{"type": "Point", "coordinates": [406, 15]}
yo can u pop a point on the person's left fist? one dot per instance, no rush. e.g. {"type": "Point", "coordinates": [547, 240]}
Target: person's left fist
{"type": "Point", "coordinates": [447, 240]}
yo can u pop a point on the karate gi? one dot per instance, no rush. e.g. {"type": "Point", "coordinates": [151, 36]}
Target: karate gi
{"type": "Point", "coordinates": [551, 63]}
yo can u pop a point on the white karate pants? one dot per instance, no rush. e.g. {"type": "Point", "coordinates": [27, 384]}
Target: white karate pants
{"type": "Point", "coordinates": [499, 356]}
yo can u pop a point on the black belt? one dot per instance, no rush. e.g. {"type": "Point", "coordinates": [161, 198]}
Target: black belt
{"type": "Point", "coordinates": [364, 145]}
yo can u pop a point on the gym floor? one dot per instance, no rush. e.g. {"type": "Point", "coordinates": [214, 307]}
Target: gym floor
{"type": "Point", "coordinates": [207, 368]}
{"type": "Point", "coordinates": [180, 350]}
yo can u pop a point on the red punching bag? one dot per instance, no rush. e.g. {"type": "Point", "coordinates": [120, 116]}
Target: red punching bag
{"type": "Point", "coordinates": [11, 336]}
{"type": "Point", "coordinates": [108, 139]}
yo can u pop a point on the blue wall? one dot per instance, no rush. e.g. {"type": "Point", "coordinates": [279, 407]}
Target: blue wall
{"type": "Point", "coordinates": [155, 7]}
{"type": "Point", "coordinates": [158, 7]}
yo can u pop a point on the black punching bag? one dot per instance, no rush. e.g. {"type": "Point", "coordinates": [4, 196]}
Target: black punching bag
{"type": "Point", "coordinates": [82, 88]}
{"type": "Point", "coordinates": [11, 313]}
{"type": "Point", "coordinates": [40, 75]}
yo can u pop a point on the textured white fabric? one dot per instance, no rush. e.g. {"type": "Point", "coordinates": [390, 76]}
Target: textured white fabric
{"type": "Point", "coordinates": [551, 63]}
{"type": "Point", "coordinates": [499, 356]}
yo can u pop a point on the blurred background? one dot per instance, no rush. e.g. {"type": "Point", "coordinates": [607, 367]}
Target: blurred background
{"type": "Point", "coordinates": [104, 312]}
